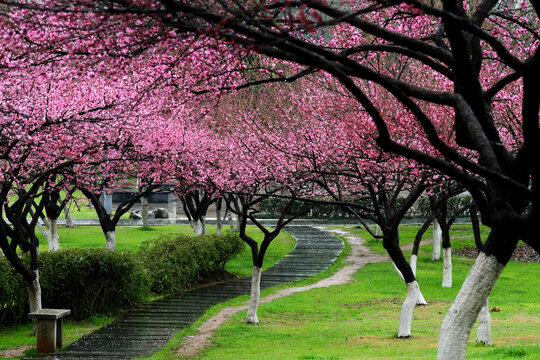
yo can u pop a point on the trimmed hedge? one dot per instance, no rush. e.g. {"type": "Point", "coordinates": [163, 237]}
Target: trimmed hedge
{"type": "Point", "coordinates": [99, 281]}
{"type": "Point", "coordinates": [13, 294]}
{"type": "Point", "coordinates": [91, 281]}
{"type": "Point", "coordinates": [272, 206]}
{"type": "Point", "coordinates": [179, 263]}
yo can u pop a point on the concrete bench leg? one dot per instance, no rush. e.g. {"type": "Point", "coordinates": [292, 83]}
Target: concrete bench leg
{"type": "Point", "coordinates": [59, 334]}
{"type": "Point", "coordinates": [47, 336]}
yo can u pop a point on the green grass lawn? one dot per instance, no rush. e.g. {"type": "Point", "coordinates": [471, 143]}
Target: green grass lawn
{"type": "Point", "coordinates": [359, 320]}
{"type": "Point", "coordinates": [130, 239]}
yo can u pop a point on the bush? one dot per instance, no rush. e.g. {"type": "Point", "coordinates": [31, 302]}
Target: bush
{"type": "Point", "coordinates": [178, 263]}
{"type": "Point", "coordinates": [422, 208]}
{"type": "Point", "coordinates": [91, 281]}
{"type": "Point", "coordinates": [13, 295]}
{"type": "Point", "coordinates": [272, 206]}
{"type": "Point", "coordinates": [99, 281]}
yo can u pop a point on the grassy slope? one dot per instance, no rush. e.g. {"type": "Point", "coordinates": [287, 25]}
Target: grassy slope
{"type": "Point", "coordinates": [359, 320]}
{"type": "Point", "coordinates": [129, 239]}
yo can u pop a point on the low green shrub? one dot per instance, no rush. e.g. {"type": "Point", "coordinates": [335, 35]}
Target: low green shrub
{"type": "Point", "coordinates": [91, 281]}
{"type": "Point", "coordinates": [99, 281]}
{"type": "Point", "coordinates": [272, 206]}
{"type": "Point", "coordinates": [13, 295]}
{"type": "Point", "coordinates": [178, 263]}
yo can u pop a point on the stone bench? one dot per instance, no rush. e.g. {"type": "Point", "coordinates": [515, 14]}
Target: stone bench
{"type": "Point", "coordinates": [49, 328]}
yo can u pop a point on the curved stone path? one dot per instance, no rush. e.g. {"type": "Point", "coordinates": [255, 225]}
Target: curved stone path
{"type": "Point", "coordinates": [145, 330]}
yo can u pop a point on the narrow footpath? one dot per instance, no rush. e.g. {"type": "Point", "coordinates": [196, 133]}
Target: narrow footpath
{"type": "Point", "coordinates": [145, 330]}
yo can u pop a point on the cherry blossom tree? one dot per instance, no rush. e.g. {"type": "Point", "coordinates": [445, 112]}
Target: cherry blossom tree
{"type": "Point", "coordinates": [463, 59]}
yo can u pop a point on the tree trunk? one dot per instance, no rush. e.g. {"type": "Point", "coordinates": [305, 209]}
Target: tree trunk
{"type": "Point", "coordinates": [251, 317]}
{"type": "Point", "coordinates": [219, 222]}
{"type": "Point", "coordinates": [198, 227]}
{"type": "Point", "coordinates": [414, 261]}
{"type": "Point", "coordinates": [420, 301]}
{"type": "Point", "coordinates": [405, 319]}
{"type": "Point", "coordinates": [202, 224]}
{"type": "Point", "coordinates": [437, 239]}
{"type": "Point", "coordinates": [447, 267]}
{"type": "Point", "coordinates": [231, 223]}
{"type": "Point", "coordinates": [34, 296]}
{"type": "Point", "coordinates": [144, 210]}
{"type": "Point", "coordinates": [378, 231]}
{"type": "Point", "coordinates": [54, 243]}
{"type": "Point", "coordinates": [67, 215]}
{"type": "Point", "coordinates": [473, 295]}
{"type": "Point", "coordinates": [483, 334]}
{"type": "Point", "coordinates": [110, 240]}
{"type": "Point", "coordinates": [46, 233]}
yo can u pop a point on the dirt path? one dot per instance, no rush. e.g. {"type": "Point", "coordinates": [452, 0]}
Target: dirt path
{"type": "Point", "coordinates": [360, 255]}
{"type": "Point", "coordinates": [15, 352]}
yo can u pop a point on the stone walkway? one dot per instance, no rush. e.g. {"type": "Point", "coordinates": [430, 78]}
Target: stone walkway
{"type": "Point", "coordinates": [145, 330]}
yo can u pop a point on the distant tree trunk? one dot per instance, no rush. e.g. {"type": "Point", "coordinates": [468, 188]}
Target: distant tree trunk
{"type": "Point", "coordinates": [447, 267]}
{"type": "Point", "coordinates": [67, 214]}
{"type": "Point", "coordinates": [407, 308]}
{"type": "Point", "coordinates": [231, 223]}
{"type": "Point", "coordinates": [417, 240]}
{"type": "Point", "coordinates": [219, 222]}
{"type": "Point", "coordinates": [202, 225]}
{"type": "Point", "coordinates": [437, 237]}
{"type": "Point", "coordinates": [110, 240]}
{"type": "Point", "coordinates": [414, 263]}
{"type": "Point", "coordinates": [483, 334]}
{"type": "Point", "coordinates": [378, 231]}
{"type": "Point", "coordinates": [199, 226]}
{"type": "Point", "coordinates": [54, 244]}
{"type": "Point", "coordinates": [391, 244]}
{"type": "Point", "coordinates": [251, 317]}
{"type": "Point", "coordinates": [144, 211]}
{"type": "Point", "coordinates": [420, 301]}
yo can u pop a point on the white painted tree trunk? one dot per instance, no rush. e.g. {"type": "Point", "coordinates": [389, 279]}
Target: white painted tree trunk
{"type": "Point", "coordinates": [67, 215]}
{"type": "Point", "coordinates": [34, 296]}
{"type": "Point", "coordinates": [378, 230]}
{"type": "Point", "coordinates": [46, 233]}
{"type": "Point", "coordinates": [54, 243]}
{"type": "Point", "coordinates": [202, 225]}
{"type": "Point", "coordinates": [398, 272]}
{"type": "Point", "coordinates": [447, 268]}
{"type": "Point", "coordinates": [144, 210]}
{"type": "Point", "coordinates": [473, 295]}
{"type": "Point", "coordinates": [110, 240]}
{"type": "Point", "coordinates": [219, 222]}
{"type": "Point", "coordinates": [405, 320]}
{"type": "Point", "coordinates": [437, 240]}
{"type": "Point", "coordinates": [231, 224]}
{"type": "Point", "coordinates": [483, 334]}
{"type": "Point", "coordinates": [421, 301]}
{"type": "Point", "coordinates": [171, 208]}
{"type": "Point", "coordinates": [251, 317]}
{"type": "Point", "coordinates": [414, 261]}
{"type": "Point", "coordinates": [198, 227]}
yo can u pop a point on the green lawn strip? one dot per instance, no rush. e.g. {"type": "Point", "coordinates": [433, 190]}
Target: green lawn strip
{"type": "Point", "coordinates": [129, 239]}
{"type": "Point", "coordinates": [169, 351]}
{"type": "Point", "coordinates": [461, 235]}
{"type": "Point", "coordinates": [359, 320]}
